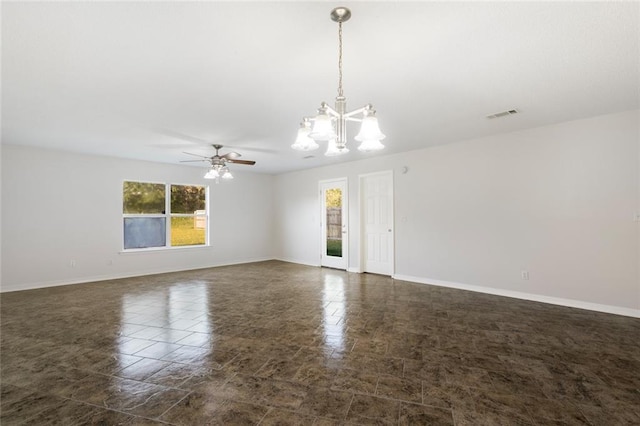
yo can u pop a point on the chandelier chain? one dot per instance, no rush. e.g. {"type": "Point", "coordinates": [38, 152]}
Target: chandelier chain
{"type": "Point", "coordinates": [340, 93]}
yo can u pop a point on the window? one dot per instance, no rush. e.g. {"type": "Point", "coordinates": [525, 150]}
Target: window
{"type": "Point", "coordinates": [147, 208]}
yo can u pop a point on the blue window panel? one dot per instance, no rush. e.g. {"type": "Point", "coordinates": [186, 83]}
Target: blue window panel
{"type": "Point", "coordinates": [144, 232]}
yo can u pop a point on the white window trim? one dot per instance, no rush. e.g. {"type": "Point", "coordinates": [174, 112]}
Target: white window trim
{"type": "Point", "coordinates": [167, 216]}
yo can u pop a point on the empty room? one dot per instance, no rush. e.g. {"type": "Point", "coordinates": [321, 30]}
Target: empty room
{"type": "Point", "coordinates": [317, 213]}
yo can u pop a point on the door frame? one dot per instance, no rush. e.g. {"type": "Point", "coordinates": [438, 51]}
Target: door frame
{"type": "Point", "coordinates": [345, 219]}
{"type": "Point", "coordinates": [363, 222]}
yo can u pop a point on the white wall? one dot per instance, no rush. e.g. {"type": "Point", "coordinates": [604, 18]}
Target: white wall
{"type": "Point", "coordinates": [59, 206]}
{"type": "Point", "coordinates": [558, 201]}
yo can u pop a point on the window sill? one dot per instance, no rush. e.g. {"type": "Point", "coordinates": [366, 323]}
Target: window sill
{"type": "Point", "coordinates": [162, 249]}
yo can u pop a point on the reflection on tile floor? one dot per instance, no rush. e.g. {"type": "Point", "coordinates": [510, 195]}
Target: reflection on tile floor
{"type": "Point", "coordinates": [278, 343]}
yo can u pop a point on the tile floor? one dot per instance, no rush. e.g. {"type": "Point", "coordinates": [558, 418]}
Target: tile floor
{"type": "Point", "coordinates": [276, 343]}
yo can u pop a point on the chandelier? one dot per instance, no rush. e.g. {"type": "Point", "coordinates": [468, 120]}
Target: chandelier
{"type": "Point", "coordinates": [330, 124]}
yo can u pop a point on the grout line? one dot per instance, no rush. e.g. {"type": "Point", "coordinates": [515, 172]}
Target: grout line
{"type": "Point", "coordinates": [114, 410]}
{"type": "Point", "coordinates": [265, 415]}
{"type": "Point", "coordinates": [177, 402]}
{"type": "Point", "coordinates": [346, 414]}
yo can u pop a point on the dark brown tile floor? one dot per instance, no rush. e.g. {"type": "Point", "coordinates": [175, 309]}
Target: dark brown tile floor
{"type": "Point", "coordinates": [277, 343]}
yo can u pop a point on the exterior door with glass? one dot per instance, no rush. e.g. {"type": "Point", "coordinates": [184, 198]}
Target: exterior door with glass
{"type": "Point", "coordinates": [333, 220]}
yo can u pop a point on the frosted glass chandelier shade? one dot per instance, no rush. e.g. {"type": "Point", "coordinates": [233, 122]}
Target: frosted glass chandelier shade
{"type": "Point", "coordinates": [333, 149]}
{"type": "Point", "coordinates": [369, 130]}
{"type": "Point", "coordinates": [303, 141]}
{"type": "Point", "coordinates": [370, 145]}
{"type": "Point", "coordinates": [322, 128]}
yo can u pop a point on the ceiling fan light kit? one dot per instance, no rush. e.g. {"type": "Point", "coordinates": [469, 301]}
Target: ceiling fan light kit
{"type": "Point", "coordinates": [330, 124]}
{"type": "Point", "coordinates": [218, 172]}
{"type": "Point", "coordinates": [219, 169]}
{"type": "Point", "coordinates": [212, 174]}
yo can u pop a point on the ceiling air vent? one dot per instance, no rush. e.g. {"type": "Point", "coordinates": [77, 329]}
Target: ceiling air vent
{"type": "Point", "coordinates": [503, 113]}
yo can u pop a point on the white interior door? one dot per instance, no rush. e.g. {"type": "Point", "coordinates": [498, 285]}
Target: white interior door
{"type": "Point", "coordinates": [333, 220]}
{"type": "Point", "coordinates": [377, 222]}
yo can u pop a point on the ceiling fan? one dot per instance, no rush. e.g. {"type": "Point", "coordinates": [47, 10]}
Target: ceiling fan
{"type": "Point", "coordinates": [219, 162]}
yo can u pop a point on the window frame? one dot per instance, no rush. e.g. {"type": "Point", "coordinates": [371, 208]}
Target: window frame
{"type": "Point", "coordinates": [167, 215]}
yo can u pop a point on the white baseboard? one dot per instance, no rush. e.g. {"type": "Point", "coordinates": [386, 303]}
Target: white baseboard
{"type": "Point", "coordinates": [298, 261]}
{"type": "Point", "coordinates": [618, 310]}
{"type": "Point", "coordinates": [107, 277]}
{"type": "Point", "coordinates": [355, 270]}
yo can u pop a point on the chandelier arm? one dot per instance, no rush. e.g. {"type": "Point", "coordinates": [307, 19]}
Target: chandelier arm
{"type": "Point", "coordinates": [356, 112]}
{"type": "Point", "coordinates": [332, 111]}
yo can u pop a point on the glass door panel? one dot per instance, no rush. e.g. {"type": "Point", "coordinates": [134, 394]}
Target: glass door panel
{"type": "Point", "coordinates": [333, 200]}
{"type": "Point", "coordinates": [333, 207]}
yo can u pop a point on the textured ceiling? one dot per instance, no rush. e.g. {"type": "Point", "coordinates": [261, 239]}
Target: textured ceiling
{"type": "Point", "coordinates": [149, 80]}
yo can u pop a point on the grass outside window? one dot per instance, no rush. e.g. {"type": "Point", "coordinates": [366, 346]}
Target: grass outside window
{"type": "Point", "coordinates": [185, 232]}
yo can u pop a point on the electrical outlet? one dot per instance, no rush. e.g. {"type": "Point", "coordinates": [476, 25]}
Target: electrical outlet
{"type": "Point", "coordinates": [72, 263]}
{"type": "Point", "coordinates": [525, 275]}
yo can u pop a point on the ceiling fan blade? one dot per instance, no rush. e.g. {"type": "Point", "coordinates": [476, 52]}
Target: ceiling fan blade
{"type": "Point", "coordinates": [247, 162]}
{"type": "Point", "coordinates": [231, 155]}
{"type": "Point", "coordinates": [193, 161]}
{"type": "Point", "coordinates": [197, 155]}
